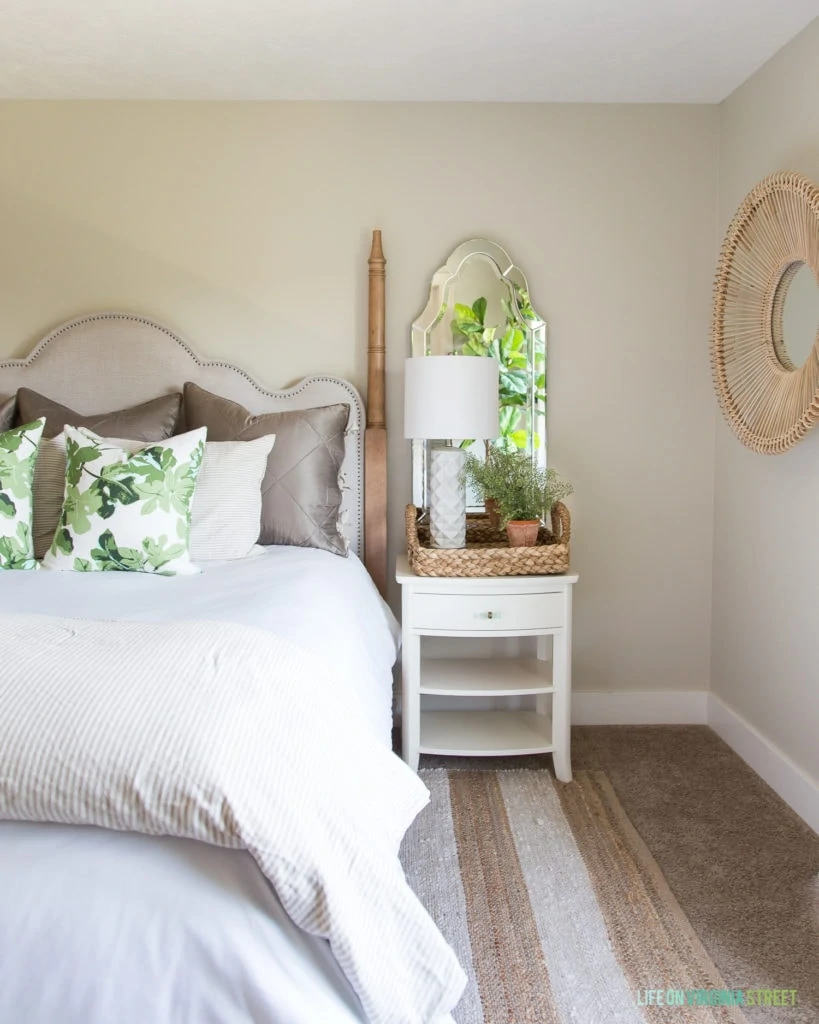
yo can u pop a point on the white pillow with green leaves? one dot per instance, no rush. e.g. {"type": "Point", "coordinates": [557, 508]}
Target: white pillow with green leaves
{"type": "Point", "coordinates": [127, 511]}
{"type": "Point", "coordinates": [18, 455]}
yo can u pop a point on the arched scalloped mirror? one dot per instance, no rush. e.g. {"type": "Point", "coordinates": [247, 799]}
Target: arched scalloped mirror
{"type": "Point", "coordinates": [479, 305]}
{"type": "Point", "coordinates": [765, 329]}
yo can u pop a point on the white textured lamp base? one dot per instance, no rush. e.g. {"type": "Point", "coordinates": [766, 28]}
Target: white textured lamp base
{"type": "Point", "coordinates": [447, 498]}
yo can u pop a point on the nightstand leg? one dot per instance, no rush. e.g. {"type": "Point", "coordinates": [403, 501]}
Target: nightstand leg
{"type": "Point", "coordinates": [542, 699]}
{"type": "Point", "coordinates": [411, 699]}
{"type": "Point", "coordinates": [561, 706]}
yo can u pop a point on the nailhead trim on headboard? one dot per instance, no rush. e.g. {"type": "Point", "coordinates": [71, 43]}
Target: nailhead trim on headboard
{"type": "Point", "coordinates": [354, 462]}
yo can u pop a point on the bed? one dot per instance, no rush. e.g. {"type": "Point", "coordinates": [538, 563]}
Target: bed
{"type": "Point", "coordinates": [279, 898]}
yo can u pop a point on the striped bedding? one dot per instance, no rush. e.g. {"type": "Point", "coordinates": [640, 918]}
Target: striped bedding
{"type": "Point", "coordinates": [231, 736]}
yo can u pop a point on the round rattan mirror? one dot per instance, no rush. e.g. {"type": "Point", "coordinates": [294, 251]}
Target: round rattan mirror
{"type": "Point", "coordinates": [766, 376]}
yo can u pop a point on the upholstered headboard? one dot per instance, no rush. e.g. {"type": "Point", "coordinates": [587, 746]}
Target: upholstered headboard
{"type": "Point", "coordinates": [108, 361]}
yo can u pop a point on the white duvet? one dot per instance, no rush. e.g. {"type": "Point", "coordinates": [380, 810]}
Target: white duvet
{"type": "Point", "coordinates": [301, 782]}
{"type": "Point", "coordinates": [319, 601]}
{"type": "Point", "coordinates": [229, 735]}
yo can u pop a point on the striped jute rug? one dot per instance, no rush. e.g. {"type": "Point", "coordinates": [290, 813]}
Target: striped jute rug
{"type": "Point", "coordinates": [554, 905]}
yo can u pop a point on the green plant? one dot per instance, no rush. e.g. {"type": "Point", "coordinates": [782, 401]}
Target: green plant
{"type": "Point", "coordinates": [473, 337]}
{"type": "Point", "coordinates": [521, 489]}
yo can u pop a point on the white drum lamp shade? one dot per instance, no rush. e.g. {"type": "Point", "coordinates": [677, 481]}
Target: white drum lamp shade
{"type": "Point", "coordinates": [449, 398]}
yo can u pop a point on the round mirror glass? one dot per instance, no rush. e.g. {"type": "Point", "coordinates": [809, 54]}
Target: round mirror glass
{"type": "Point", "coordinates": [800, 316]}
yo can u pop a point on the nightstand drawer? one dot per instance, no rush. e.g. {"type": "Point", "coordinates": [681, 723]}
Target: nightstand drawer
{"type": "Point", "coordinates": [475, 612]}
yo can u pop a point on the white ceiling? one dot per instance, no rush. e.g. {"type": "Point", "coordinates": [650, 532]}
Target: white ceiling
{"type": "Point", "coordinates": [695, 51]}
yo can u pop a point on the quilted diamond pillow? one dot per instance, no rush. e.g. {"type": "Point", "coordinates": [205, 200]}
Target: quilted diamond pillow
{"type": "Point", "coordinates": [127, 511]}
{"type": "Point", "coordinates": [301, 492]}
{"type": "Point", "coordinates": [18, 454]}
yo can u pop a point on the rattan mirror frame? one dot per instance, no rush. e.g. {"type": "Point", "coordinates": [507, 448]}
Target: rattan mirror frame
{"type": "Point", "coordinates": [769, 403]}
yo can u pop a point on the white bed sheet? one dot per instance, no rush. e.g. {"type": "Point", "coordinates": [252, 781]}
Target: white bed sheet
{"type": "Point", "coordinates": [97, 926]}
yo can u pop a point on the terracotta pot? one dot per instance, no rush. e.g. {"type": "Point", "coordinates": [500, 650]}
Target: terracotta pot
{"type": "Point", "coordinates": [522, 533]}
{"type": "Point", "coordinates": [491, 507]}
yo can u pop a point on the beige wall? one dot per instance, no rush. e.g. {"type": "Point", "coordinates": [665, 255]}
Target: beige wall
{"type": "Point", "coordinates": [246, 227]}
{"type": "Point", "coordinates": [766, 540]}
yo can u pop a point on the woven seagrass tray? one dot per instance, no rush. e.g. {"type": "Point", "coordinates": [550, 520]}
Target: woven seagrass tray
{"type": "Point", "coordinates": [487, 551]}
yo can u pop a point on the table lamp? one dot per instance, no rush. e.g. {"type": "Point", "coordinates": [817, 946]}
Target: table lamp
{"type": "Point", "coordinates": [449, 398]}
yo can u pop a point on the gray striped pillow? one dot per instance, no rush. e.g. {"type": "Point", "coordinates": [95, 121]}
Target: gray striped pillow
{"type": "Point", "coordinates": [227, 502]}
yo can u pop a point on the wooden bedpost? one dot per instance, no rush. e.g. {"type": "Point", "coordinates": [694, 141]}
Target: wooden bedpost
{"type": "Point", "coordinates": [375, 436]}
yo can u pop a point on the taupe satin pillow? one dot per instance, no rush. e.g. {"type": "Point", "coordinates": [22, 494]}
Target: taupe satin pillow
{"type": "Point", "coordinates": [7, 406]}
{"type": "Point", "coordinates": [150, 421]}
{"type": "Point", "coordinates": [301, 496]}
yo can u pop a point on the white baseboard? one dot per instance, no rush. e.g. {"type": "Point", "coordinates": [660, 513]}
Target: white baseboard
{"type": "Point", "coordinates": [699, 707]}
{"type": "Point", "coordinates": [784, 776]}
{"type": "Point", "coordinates": [640, 707]}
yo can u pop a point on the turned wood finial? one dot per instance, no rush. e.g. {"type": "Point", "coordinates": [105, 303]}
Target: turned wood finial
{"type": "Point", "coordinates": [377, 260]}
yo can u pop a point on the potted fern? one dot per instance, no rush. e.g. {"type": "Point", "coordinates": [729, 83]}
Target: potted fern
{"type": "Point", "coordinates": [523, 492]}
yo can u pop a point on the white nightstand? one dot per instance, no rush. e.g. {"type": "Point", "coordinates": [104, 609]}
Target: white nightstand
{"type": "Point", "coordinates": [499, 606]}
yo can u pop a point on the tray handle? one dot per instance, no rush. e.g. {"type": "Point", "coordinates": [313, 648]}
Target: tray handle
{"type": "Point", "coordinates": [561, 523]}
{"type": "Point", "coordinates": [413, 544]}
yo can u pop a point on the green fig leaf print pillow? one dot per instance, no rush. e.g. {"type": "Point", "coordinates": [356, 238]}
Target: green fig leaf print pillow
{"type": "Point", "coordinates": [126, 510]}
{"type": "Point", "coordinates": [18, 455]}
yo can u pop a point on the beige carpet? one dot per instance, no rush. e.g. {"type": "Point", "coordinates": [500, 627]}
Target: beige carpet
{"type": "Point", "coordinates": [554, 904]}
{"type": "Point", "coordinates": [742, 866]}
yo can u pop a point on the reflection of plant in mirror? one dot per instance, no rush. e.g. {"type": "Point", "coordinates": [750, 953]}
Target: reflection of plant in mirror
{"type": "Point", "coordinates": [474, 338]}
{"type": "Point", "coordinates": [520, 489]}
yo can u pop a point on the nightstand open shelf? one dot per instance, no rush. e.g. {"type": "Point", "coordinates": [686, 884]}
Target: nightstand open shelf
{"type": "Point", "coordinates": [485, 733]}
{"type": "Point", "coordinates": [485, 677]}
{"type": "Point", "coordinates": [487, 608]}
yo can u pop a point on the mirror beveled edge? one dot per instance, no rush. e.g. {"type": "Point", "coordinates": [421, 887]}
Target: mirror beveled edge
{"type": "Point", "coordinates": [511, 278]}
{"type": "Point", "coordinates": [446, 274]}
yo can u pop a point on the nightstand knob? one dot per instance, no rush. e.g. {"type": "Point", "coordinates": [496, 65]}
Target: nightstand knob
{"type": "Point", "coordinates": [490, 615]}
